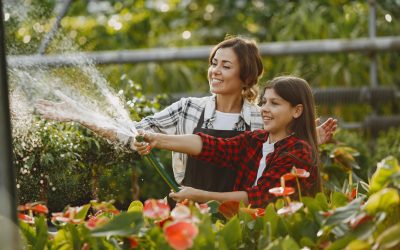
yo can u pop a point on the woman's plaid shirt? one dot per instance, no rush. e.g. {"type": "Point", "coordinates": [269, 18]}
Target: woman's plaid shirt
{"type": "Point", "coordinates": [243, 154]}
{"type": "Point", "coordinates": [182, 117]}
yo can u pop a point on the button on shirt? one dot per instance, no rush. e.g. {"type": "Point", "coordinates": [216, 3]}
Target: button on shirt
{"type": "Point", "coordinates": [244, 152]}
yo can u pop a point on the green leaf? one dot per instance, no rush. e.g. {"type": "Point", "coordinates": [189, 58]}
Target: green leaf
{"type": "Point", "coordinates": [231, 233]}
{"type": "Point", "coordinates": [341, 243]}
{"type": "Point", "coordinates": [343, 214]}
{"type": "Point", "coordinates": [382, 200]}
{"type": "Point", "coordinates": [382, 176]}
{"type": "Point", "coordinates": [28, 232]}
{"type": "Point", "coordinates": [339, 199]}
{"type": "Point", "coordinates": [81, 215]}
{"type": "Point", "coordinates": [358, 245]}
{"type": "Point", "coordinates": [287, 243]}
{"type": "Point", "coordinates": [390, 237]}
{"type": "Point", "coordinates": [213, 205]}
{"type": "Point", "coordinates": [135, 206]}
{"type": "Point", "coordinates": [41, 233]}
{"type": "Point", "coordinates": [123, 225]}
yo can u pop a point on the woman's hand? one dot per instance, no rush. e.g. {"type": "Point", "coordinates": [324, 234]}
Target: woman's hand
{"type": "Point", "coordinates": [189, 193]}
{"type": "Point", "coordinates": [325, 130]}
{"type": "Point", "coordinates": [144, 147]}
{"type": "Point", "coordinates": [65, 111]}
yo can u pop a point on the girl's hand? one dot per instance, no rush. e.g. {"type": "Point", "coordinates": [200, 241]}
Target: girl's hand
{"type": "Point", "coordinates": [325, 130]}
{"type": "Point", "coordinates": [187, 193]}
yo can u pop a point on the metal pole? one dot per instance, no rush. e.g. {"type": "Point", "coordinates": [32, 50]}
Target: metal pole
{"type": "Point", "coordinates": [373, 70]}
{"type": "Point", "coordinates": [49, 36]}
{"type": "Point", "coordinates": [8, 216]}
{"type": "Point", "coordinates": [308, 47]}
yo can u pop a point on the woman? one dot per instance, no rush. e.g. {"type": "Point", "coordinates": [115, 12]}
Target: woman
{"type": "Point", "coordinates": [235, 68]}
{"type": "Point", "coordinates": [260, 157]}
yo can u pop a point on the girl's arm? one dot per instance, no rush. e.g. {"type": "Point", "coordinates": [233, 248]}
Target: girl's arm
{"type": "Point", "coordinates": [188, 144]}
{"type": "Point", "coordinates": [202, 196]}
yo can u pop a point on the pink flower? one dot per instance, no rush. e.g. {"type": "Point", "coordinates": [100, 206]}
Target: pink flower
{"type": "Point", "coordinates": [156, 209]}
{"type": "Point", "coordinates": [296, 172]}
{"type": "Point", "coordinates": [229, 208]}
{"type": "Point", "coordinates": [69, 216]}
{"type": "Point", "coordinates": [35, 207]}
{"type": "Point", "coordinates": [281, 191]}
{"type": "Point", "coordinates": [94, 222]}
{"type": "Point", "coordinates": [254, 212]}
{"type": "Point", "coordinates": [203, 208]}
{"type": "Point", "coordinates": [291, 208]}
{"type": "Point", "coordinates": [180, 212]}
{"type": "Point", "coordinates": [26, 218]}
{"type": "Point", "coordinates": [180, 234]}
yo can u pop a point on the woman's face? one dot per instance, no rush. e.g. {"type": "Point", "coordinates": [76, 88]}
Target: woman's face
{"type": "Point", "coordinates": [224, 73]}
{"type": "Point", "coordinates": [277, 114]}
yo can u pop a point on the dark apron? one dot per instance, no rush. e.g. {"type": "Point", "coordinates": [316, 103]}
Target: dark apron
{"type": "Point", "coordinates": [208, 176]}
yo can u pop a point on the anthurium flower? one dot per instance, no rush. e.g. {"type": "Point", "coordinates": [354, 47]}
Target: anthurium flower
{"type": "Point", "coordinates": [34, 207]}
{"type": "Point", "coordinates": [156, 209]}
{"type": "Point", "coordinates": [180, 212]}
{"type": "Point", "coordinates": [180, 234]}
{"type": "Point", "coordinates": [229, 208]}
{"type": "Point", "coordinates": [360, 219]}
{"type": "Point", "coordinates": [69, 216]}
{"type": "Point", "coordinates": [254, 212]}
{"type": "Point", "coordinates": [133, 242]}
{"type": "Point", "coordinates": [203, 208]}
{"type": "Point", "coordinates": [162, 222]}
{"type": "Point", "coordinates": [281, 191]}
{"type": "Point", "coordinates": [292, 208]}
{"type": "Point", "coordinates": [94, 222]}
{"type": "Point", "coordinates": [104, 207]}
{"type": "Point", "coordinates": [26, 218]}
{"type": "Point", "coordinates": [296, 172]}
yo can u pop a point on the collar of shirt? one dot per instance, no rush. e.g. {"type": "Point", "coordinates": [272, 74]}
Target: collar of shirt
{"type": "Point", "coordinates": [244, 117]}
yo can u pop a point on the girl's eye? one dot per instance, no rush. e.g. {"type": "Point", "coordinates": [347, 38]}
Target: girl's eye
{"type": "Point", "coordinates": [227, 67]}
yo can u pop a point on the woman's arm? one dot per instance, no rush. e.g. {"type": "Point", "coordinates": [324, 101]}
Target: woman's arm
{"type": "Point", "coordinates": [202, 196]}
{"type": "Point", "coordinates": [188, 144]}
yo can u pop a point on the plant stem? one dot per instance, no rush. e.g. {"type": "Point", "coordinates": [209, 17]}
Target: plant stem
{"type": "Point", "coordinates": [299, 189]}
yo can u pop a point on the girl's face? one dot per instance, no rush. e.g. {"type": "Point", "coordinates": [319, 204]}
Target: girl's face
{"type": "Point", "coordinates": [224, 73]}
{"type": "Point", "coordinates": [277, 114]}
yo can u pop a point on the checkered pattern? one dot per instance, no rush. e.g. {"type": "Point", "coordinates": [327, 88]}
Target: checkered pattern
{"type": "Point", "coordinates": [243, 154]}
{"type": "Point", "coordinates": [182, 117]}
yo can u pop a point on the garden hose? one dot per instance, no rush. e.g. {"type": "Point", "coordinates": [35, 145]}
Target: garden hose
{"type": "Point", "coordinates": [159, 167]}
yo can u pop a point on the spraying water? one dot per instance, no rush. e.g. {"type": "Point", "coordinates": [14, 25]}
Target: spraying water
{"type": "Point", "coordinates": [82, 86]}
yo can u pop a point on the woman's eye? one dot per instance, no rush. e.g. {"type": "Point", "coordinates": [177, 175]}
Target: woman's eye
{"type": "Point", "coordinates": [227, 67]}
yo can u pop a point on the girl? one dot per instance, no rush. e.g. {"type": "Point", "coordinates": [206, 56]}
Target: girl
{"type": "Point", "coordinates": [261, 157]}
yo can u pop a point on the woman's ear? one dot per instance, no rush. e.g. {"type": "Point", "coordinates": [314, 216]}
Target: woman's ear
{"type": "Point", "coordinates": [298, 110]}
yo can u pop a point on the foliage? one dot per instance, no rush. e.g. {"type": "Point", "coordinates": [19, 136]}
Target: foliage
{"type": "Point", "coordinates": [330, 222]}
{"type": "Point", "coordinates": [388, 143]}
